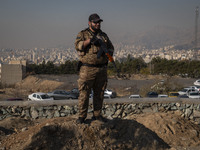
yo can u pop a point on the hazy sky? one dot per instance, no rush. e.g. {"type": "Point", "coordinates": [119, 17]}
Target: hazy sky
{"type": "Point", "coordinates": [51, 23]}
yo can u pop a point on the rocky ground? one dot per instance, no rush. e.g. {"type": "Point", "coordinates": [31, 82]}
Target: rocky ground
{"type": "Point", "coordinates": [152, 131]}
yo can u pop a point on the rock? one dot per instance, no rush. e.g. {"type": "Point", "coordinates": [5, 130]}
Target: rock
{"type": "Point", "coordinates": [110, 117]}
{"type": "Point", "coordinates": [34, 113]}
{"type": "Point", "coordinates": [24, 129]}
{"type": "Point", "coordinates": [178, 104]}
{"type": "Point", "coordinates": [173, 108]}
{"type": "Point", "coordinates": [188, 112]}
{"type": "Point", "coordinates": [56, 113]}
{"type": "Point", "coordinates": [67, 107]}
{"type": "Point", "coordinates": [50, 113]}
{"type": "Point", "coordinates": [62, 114]}
{"type": "Point", "coordinates": [147, 110]}
{"type": "Point", "coordinates": [196, 114]}
{"type": "Point", "coordinates": [117, 114]}
{"type": "Point", "coordinates": [154, 108]}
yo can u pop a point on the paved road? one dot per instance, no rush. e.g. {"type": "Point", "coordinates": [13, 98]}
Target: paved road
{"type": "Point", "coordinates": [114, 100]}
{"type": "Point", "coordinates": [71, 81]}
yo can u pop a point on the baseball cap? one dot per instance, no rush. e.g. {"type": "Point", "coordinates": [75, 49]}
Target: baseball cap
{"type": "Point", "coordinates": [94, 18]}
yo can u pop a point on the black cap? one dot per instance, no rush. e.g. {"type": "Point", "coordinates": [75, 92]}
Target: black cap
{"type": "Point", "coordinates": [94, 18]}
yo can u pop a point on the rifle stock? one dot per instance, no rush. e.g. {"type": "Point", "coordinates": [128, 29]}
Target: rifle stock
{"type": "Point", "coordinates": [109, 57]}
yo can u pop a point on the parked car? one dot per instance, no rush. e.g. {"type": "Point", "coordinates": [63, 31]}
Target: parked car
{"type": "Point", "coordinates": [134, 96]}
{"type": "Point", "coordinates": [62, 94]}
{"type": "Point", "coordinates": [173, 94]}
{"type": "Point", "coordinates": [152, 94]}
{"type": "Point", "coordinates": [191, 90]}
{"type": "Point", "coordinates": [183, 96]}
{"type": "Point", "coordinates": [162, 96]}
{"type": "Point", "coordinates": [186, 91]}
{"type": "Point", "coordinates": [75, 91]}
{"type": "Point", "coordinates": [105, 95]}
{"type": "Point", "coordinates": [183, 91]}
{"type": "Point", "coordinates": [197, 82]}
{"type": "Point", "coordinates": [110, 92]}
{"type": "Point", "coordinates": [196, 87]}
{"type": "Point", "coordinates": [194, 95]}
{"type": "Point", "coordinates": [39, 97]}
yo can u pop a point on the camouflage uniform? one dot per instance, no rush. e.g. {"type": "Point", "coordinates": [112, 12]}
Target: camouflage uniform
{"type": "Point", "coordinates": [92, 77]}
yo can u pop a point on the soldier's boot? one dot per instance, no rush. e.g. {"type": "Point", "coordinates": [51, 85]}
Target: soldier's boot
{"type": "Point", "coordinates": [80, 120]}
{"type": "Point", "coordinates": [99, 118]}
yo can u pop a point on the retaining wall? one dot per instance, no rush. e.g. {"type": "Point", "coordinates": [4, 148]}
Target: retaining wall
{"type": "Point", "coordinates": [114, 108]}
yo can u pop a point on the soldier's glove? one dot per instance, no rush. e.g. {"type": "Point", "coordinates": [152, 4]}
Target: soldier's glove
{"type": "Point", "coordinates": [95, 41]}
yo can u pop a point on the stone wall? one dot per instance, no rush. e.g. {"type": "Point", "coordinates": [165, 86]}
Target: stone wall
{"type": "Point", "coordinates": [115, 108]}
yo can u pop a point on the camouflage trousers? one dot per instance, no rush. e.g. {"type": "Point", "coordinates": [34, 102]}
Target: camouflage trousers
{"type": "Point", "coordinates": [91, 78]}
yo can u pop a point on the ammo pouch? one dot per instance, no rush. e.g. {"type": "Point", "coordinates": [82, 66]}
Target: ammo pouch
{"type": "Point", "coordinates": [79, 65]}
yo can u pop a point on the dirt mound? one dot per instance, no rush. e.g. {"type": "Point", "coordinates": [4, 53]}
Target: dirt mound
{"type": "Point", "coordinates": [171, 128]}
{"type": "Point", "coordinates": [145, 131]}
{"type": "Point", "coordinates": [144, 77]}
{"type": "Point", "coordinates": [34, 84]}
{"type": "Point", "coordinates": [30, 85]}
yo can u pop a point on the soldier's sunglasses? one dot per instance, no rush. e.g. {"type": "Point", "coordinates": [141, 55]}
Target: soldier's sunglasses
{"type": "Point", "coordinates": [96, 22]}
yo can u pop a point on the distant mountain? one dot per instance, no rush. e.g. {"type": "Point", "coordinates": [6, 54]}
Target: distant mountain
{"type": "Point", "coordinates": [162, 36]}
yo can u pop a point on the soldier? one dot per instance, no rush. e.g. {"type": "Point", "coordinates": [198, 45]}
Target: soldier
{"type": "Point", "coordinates": [93, 70]}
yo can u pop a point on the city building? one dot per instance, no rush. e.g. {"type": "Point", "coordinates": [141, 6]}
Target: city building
{"type": "Point", "coordinates": [13, 72]}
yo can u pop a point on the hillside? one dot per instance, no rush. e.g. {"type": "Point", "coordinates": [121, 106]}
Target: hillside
{"type": "Point", "coordinates": [152, 131]}
{"type": "Point", "coordinates": [160, 36]}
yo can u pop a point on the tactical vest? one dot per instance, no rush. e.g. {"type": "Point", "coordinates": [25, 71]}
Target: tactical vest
{"type": "Point", "coordinates": [89, 54]}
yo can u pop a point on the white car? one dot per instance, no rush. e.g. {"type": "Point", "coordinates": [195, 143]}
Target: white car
{"type": "Point", "coordinates": [134, 96]}
{"type": "Point", "coordinates": [39, 97]}
{"type": "Point", "coordinates": [196, 87]}
{"type": "Point", "coordinates": [109, 92]}
{"type": "Point", "coordinates": [162, 96]}
{"type": "Point", "coordinates": [197, 82]}
{"type": "Point", "coordinates": [107, 96]}
{"type": "Point", "coordinates": [194, 95]}
{"type": "Point", "coordinates": [186, 91]}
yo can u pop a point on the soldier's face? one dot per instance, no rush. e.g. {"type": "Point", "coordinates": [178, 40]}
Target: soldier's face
{"type": "Point", "coordinates": [95, 25]}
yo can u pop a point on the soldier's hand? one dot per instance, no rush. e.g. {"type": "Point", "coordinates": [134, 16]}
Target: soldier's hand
{"type": "Point", "coordinates": [93, 40]}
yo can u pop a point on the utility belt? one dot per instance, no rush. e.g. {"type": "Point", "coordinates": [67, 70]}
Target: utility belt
{"type": "Point", "coordinates": [90, 65]}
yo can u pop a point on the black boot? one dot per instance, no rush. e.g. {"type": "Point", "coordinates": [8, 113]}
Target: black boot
{"type": "Point", "coordinates": [100, 118]}
{"type": "Point", "coordinates": [80, 120]}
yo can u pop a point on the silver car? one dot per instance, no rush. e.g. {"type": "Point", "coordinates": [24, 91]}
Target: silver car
{"type": "Point", "coordinates": [194, 95]}
{"type": "Point", "coordinates": [62, 94]}
{"type": "Point", "coordinates": [39, 97]}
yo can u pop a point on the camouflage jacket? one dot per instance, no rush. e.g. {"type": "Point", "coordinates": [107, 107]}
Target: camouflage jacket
{"type": "Point", "coordinates": [89, 54]}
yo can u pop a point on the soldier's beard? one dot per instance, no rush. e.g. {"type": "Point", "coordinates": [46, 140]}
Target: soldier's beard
{"type": "Point", "coordinates": [95, 29]}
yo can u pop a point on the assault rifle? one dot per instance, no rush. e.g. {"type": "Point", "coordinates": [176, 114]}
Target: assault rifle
{"type": "Point", "coordinates": [103, 49]}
